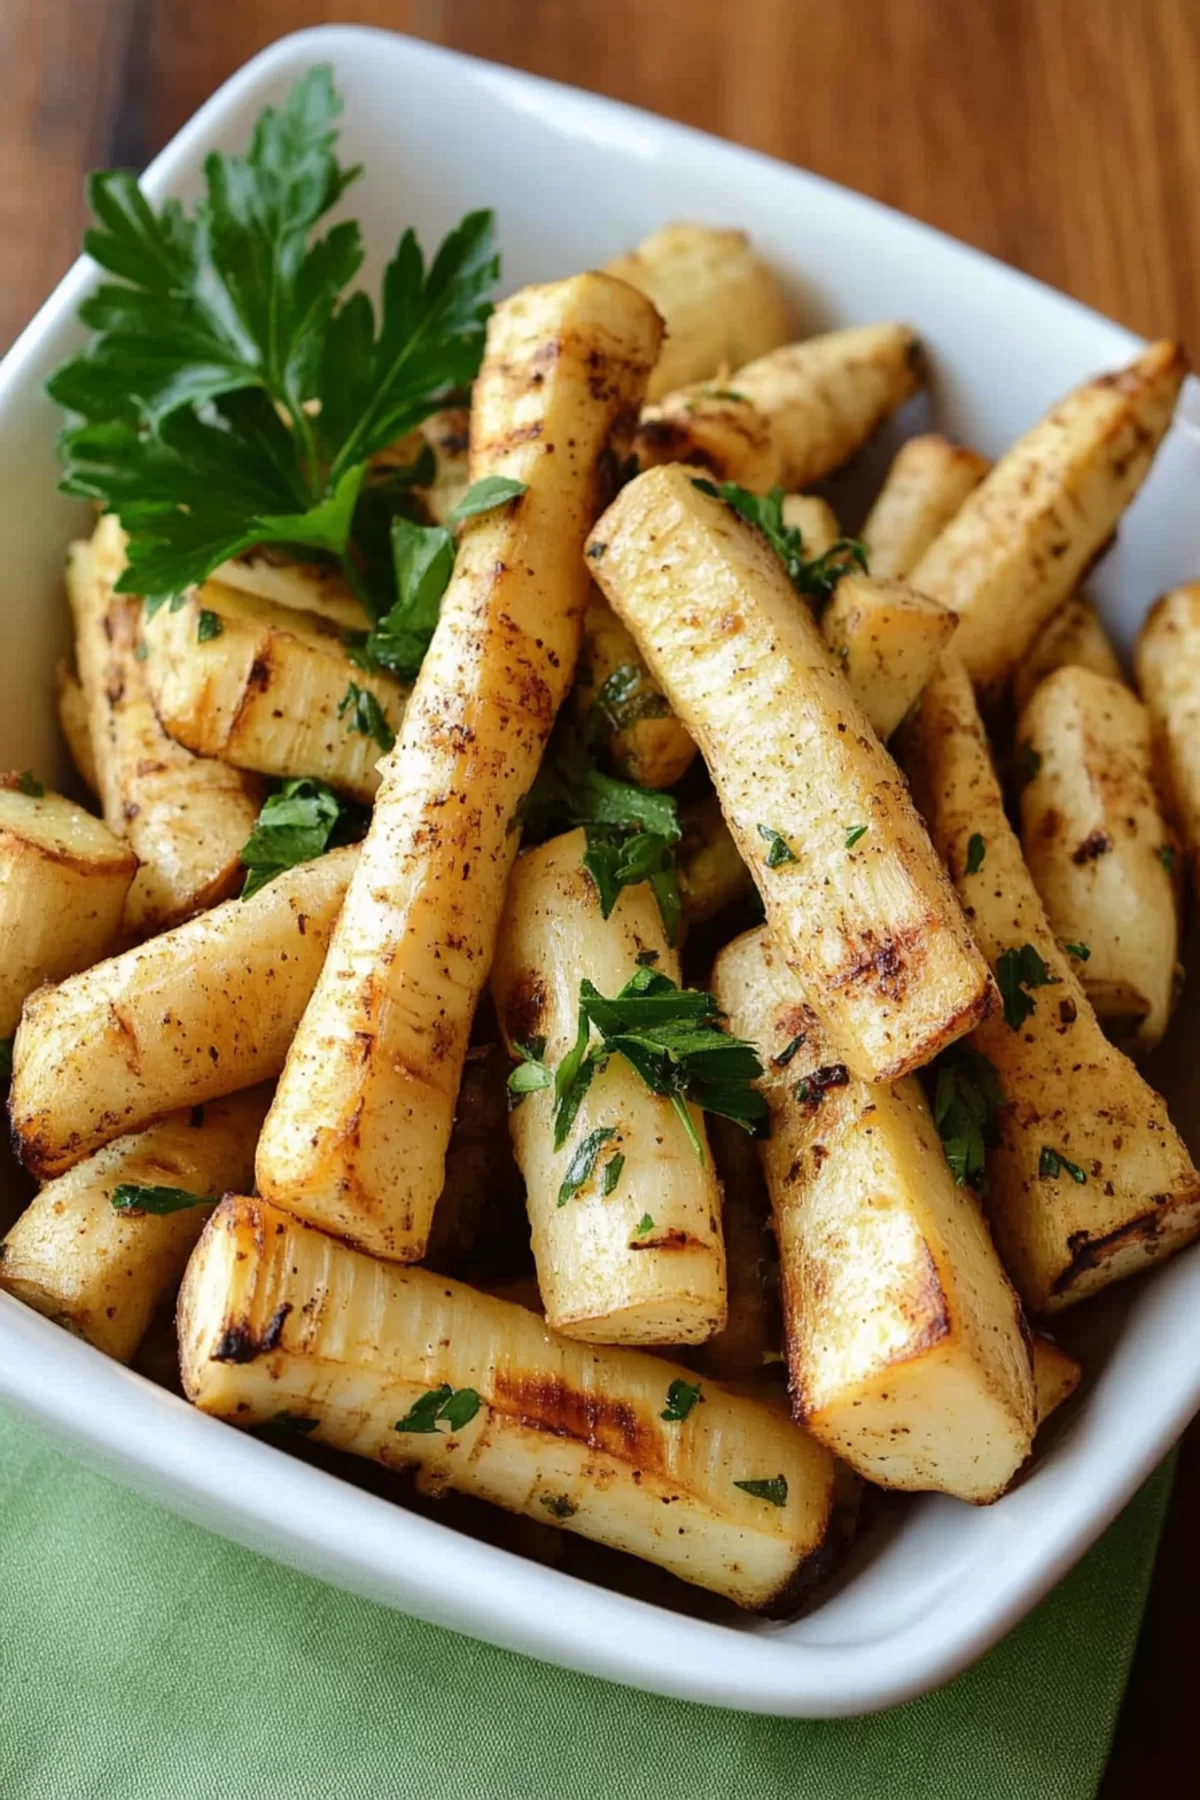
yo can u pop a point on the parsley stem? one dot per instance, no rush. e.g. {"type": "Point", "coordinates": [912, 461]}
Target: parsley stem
{"type": "Point", "coordinates": [682, 1108]}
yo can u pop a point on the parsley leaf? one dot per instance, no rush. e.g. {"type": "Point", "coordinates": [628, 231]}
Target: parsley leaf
{"type": "Point", "coordinates": [644, 1226]}
{"type": "Point", "coordinates": [28, 783]}
{"type": "Point", "coordinates": [301, 821]}
{"type": "Point", "coordinates": [1077, 950]}
{"type": "Point", "coordinates": [681, 1397]}
{"type": "Point", "coordinates": [1166, 856]}
{"type": "Point", "coordinates": [1017, 970]}
{"type": "Point", "coordinates": [628, 696]}
{"type": "Point", "coordinates": [1051, 1164]}
{"type": "Point", "coordinates": [363, 714]}
{"type": "Point", "coordinates": [853, 833]}
{"type": "Point", "coordinates": [779, 851]}
{"type": "Point", "coordinates": [815, 579]}
{"type": "Point", "coordinates": [966, 1100]}
{"type": "Point", "coordinates": [130, 1197]}
{"type": "Point", "coordinates": [441, 1405]}
{"type": "Point", "coordinates": [234, 391]}
{"type": "Point", "coordinates": [789, 1050]}
{"type": "Point", "coordinates": [612, 1173]}
{"type": "Point", "coordinates": [209, 625]}
{"type": "Point", "coordinates": [670, 1035]}
{"type": "Point", "coordinates": [583, 1163]}
{"type": "Point", "coordinates": [531, 1072]}
{"type": "Point", "coordinates": [558, 1506]}
{"type": "Point", "coordinates": [423, 561]}
{"type": "Point", "coordinates": [775, 1489]}
{"type": "Point", "coordinates": [976, 851]}
{"type": "Point", "coordinates": [482, 496]}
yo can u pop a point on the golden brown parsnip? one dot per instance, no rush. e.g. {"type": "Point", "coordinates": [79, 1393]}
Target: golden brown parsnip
{"type": "Point", "coordinates": [1167, 662]}
{"type": "Point", "coordinates": [356, 1139]}
{"type": "Point", "coordinates": [264, 687]}
{"type": "Point", "coordinates": [906, 1344]}
{"type": "Point", "coordinates": [1074, 636]}
{"type": "Point", "coordinates": [928, 481]}
{"type": "Point", "coordinates": [275, 1317]}
{"type": "Point", "coordinates": [604, 1274]}
{"type": "Point", "coordinates": [185, 817]}
{"type": "Point", "coordinates": [712, 874]}
{"type": "Point", "coordinates": [791, 417]}
{"type": "Point", "coordinates": [719, 301]}
{"type": "Point", "coordinates": [646, 740]}
{"type": "Point", "coordinates": [301, 587]}
{"type": "Point", "coordinates": [63, 882]}
{"type": "Point", "coordinates": [817, 808]}
{"type": "Point", "coordinates": [1095, 842]}
{"type": "Point", "coordinates": [1072, 1100]}
{"type": "Point", "coordinates": [448, 434]}
{"type": "Point", "coordinates": [74, 724]}
{"type": "Point", "coordinates": [104, 1273]}
{"type": "Point", "coordinates": [1019, 544]}
{"type": "Point", "coordinates": [1056, 1375]}
{"type": "Point", "coordinates": [889, 640]}
{"type": "Point", "coordinates": [194, 1014]}
{"type": "Point", "coordinates": [814, 519]}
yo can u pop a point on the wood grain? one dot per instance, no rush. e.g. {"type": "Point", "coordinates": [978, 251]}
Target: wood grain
{"type": "Point", "coordinates": [1060, 135]}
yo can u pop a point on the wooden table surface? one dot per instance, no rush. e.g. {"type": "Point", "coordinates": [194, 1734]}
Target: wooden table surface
{"type": "Point", "coordinates": [1060, 135]}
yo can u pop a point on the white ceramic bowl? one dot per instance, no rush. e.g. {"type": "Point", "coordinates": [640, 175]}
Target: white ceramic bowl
{"type": "Point", "coordinates": [575, 179]}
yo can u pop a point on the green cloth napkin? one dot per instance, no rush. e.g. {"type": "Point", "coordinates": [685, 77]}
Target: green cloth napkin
{"type": "Point", "coordinates": [143, 1659]}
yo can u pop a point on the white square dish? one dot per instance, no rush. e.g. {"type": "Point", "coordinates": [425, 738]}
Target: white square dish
{"type": "Point", "coordinates": [574, 180]}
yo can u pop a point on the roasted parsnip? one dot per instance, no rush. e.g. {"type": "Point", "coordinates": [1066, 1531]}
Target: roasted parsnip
{"type": "Point", "coordinates": [1167, 661]}
{"type": "Point", "coordinates": [928, 481]}
{"type": "Point", "coordinates": [300, 587]}
{"type": "Point", "coordinates": [1089, 1181]}
{"type": "Point", "coordinates": [185, 817]}
{"type": "Point", "coordinates": [1019, 544]}
{"type": "Point", "coordinates": [645, 739]}
{"type": "Point", "coordinates": [1056, 1375]}
{"type": "Point", "coordinates": [814, 519]}
{"type": "Point", "coordinates": [791, 417]}
{"type": "Point", "coordinates": [357, 1136]}
{"type": "Point", "coordinates": [199, 1012]}
{"type": "Point", "coordinates": [889, 640]}
{"type": "Point", "coordinates": [74, 724]}
{"type": "Point", "coordinates": [279, 1321]}
{"type": "Point", "coordinates": [818, 811]}
{"type": "Point", "coordinates": [906, 1344]}
{"type": "Point", "coordinates": [719, 301]}
{"type": "Point", "coordinates": [264, 686]}
{"type": "Point", "coordinates": [605, 1274]}
{"type": "Point", "coordinates": [63, 882]}
{"type": "Point", "coordinates": [448, 434]}
{"type": "Point", "coordinates": [1072, 637]}
{"type": "Point", "coordinates": [1095, 843]}
{"type": "Point", "coordinates": [103, 1272]}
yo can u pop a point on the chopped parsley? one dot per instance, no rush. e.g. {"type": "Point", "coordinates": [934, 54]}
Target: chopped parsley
{"type": "Point", "coordinates": [363, 714]}
{"type": "Point", "coordinates": [237, 385]}
{"type": "Point", "coordinates": [299, 822]}
{"type": "Point", "coordinates": [628, 696]}
{"type": "Point", "coordinates": [582, 1165]}
{"type": "Point", "coordinates": [967, 1098]}
{"type": "Point", "coordinates": [1080, 951]}
{"type": "Point", "coordinates": [775, 1489]}
{"type": "Point", "coordinates": [1051, 1164]}
{"type": "Point", "coordinates": [612, 1173]}
{"type": "Point", "coordinates": [28, 784]}
{"type": "Point", "coordinates": [681, 1397]}
{"type": "Point", "coordinates": [778, 849]}
{"type": "Point", "coordinates": [644, 1226]}
{"type": "Point", "coordinates": [483, 495]}
{"type": "Point", "coordinates": [789, 1050]}
{"type": "Point", "coordinates": [1166, 856]}
{"type": "Point", "coordinates": [130, 1197]}
{"type": "Point", "coordinates": [558, 1506]}
{"type": "Point", "coordinates": [853, 833]}
{"type": "Point", "coordinates": [441, 1406]}
{"type": "Point", "coordinates": [1016, 972]}
{"type": "Point", "coordinates": [815, 578]}
{"type": "Point", "coordinates": [671, 1037]}
{"type": "Point", "coordinates": [976, 852]}
{"type": "Point", "coordinates": [209, 625]}
{"type": "Point", "coordinates": [531, 1072]}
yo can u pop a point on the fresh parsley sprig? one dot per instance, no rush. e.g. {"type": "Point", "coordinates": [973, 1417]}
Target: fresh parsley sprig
{"type": "Point", "coordinates": [671, 1037]}
{"type": "Point", "coordinates": [299, 822]}
{"type": "Point", "coordinates": [441, 1405]}
{"type": "Point", "coordinates": [1018, 970]}
{"type": "Point", "coordinates": [235, 391]}
{"type": "Point", "coordinates": [814, 577]}
{"type": "Point", "coordinates": [967, 1099]}
{"type": "Point", "coordinates": [134, 1198]}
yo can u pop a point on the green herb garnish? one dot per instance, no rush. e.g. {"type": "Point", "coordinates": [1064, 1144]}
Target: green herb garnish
{"type": "Point", "coordinates": [644, 1226]}
{"type": "Point", "coordinates": [130, 1197]}
{"type": "Point", "coordinates": [628, 696]}
{"type": "Point", "coordinates": [612, 1174]}
{"type": "Point", "coordinates": [967, 1098]}
{"type": "Point", "coordinates": [1166, 856]}
{"type": "Point", "coordinates": [779, 851]}
{"type": "Point", "coordinates": [681, 1397]}
{"type": "Point", "coordinates": [1017, 970]}
{"type": "Point", "coordinates": [27, 783]}
{"type": "Point", "coordinates": [976, 851]}
{"type": "Point", "coordinates": [209, 625]}
{"type": "Point", "coordinates": [531, 1072]}
{"type": "Point", "coordinates": [583, 1162]}
{"type": "Point", "coordinates": [670, 1035]}
{"type": "Point", "coordinates": [816, 578]}
{"type": "Point", "coordinates": [789, 1050]}
{"type": "Point", "coordinates": [1080, 951]}
{"type": "Point", "coordinates": [300, 822]}
{"type": "Point", "coordinates": [483, 495]}
{"type": "Point", "coordinates": [558, 1506]}
{"type": "Point", "coordinates": [1051, 1164]}
{"type": "Point", "coordinates": [853, 833]}
{"type": "Point", "coordinates": [363, 714]}
{"type": "Point", "coordinates": [441, 1405]}
{"type": "Point", "coordinates": [235, 390]}
{"type": "Point", "coordinates": [775, 1489]}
